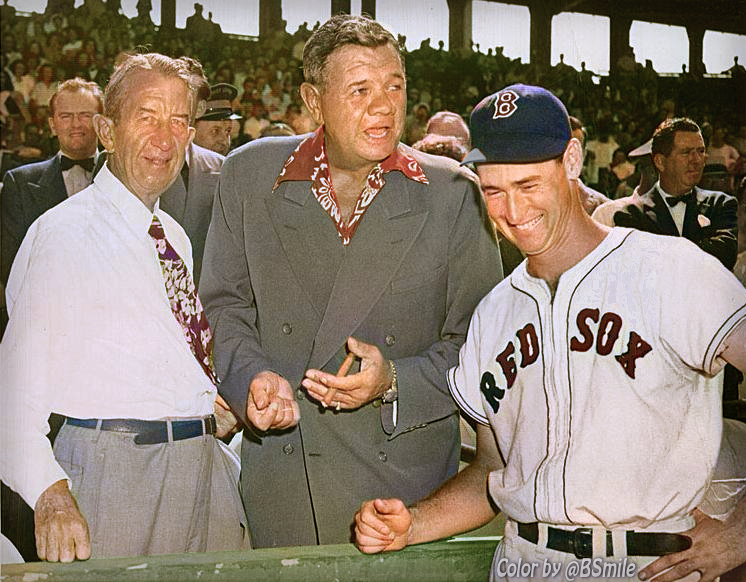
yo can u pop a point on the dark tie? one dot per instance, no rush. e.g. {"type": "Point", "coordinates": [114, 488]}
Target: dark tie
{"type": "Point", "coordinates": [85, 163]}
{"type": "Point", "coordinates": [674, 200]}
{"type": "Point", "coordinates": [185, 303]}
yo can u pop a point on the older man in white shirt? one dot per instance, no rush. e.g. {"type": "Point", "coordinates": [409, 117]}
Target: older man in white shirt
{"type": "Point", "coordinates": [106, 328]}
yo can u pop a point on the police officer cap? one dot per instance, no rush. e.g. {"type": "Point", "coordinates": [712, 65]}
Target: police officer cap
{"type": "Point", "coordinates": [219, 103]}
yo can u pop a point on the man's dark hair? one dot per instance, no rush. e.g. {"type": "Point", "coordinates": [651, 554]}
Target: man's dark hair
{"type": "Point", "coordinates": [339, 31]}
{"type": "Point", "coordinates": [665, 133]}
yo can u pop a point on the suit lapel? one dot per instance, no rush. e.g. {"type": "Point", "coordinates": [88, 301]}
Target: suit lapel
{"type": "Point", "coordinates": [50, 190]}
{"type": "Point", "coordinates": [374, 255]}
{"type": "Point", "coordinates": [694, 208]}
{"type": "Point", "coordinates": [658, 210]}
{"type": "Point", "coordinates": [174, 200]}
{"type": "Point", "coordinates": [298, 219]}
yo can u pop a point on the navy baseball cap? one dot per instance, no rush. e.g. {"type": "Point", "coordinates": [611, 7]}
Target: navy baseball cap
{"type": "Point", "coordinates": [520, 124]}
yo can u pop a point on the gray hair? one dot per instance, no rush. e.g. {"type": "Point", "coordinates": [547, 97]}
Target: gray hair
{"type": "Point", "coordinates": [117, 90]}
{"type": "Point", "coordinates": [339, 31]}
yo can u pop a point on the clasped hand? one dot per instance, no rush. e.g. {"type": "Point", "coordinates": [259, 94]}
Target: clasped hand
{"type": "Point", "coordinates": [271, 404]}
{"type": "Point", "coordinates": [353, 391]}
{"type": "Point", "coordinates": [382, 525]}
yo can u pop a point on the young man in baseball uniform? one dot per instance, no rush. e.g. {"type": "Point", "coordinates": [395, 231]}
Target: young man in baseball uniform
{"type": "Point", "coordinates": [591, 380]}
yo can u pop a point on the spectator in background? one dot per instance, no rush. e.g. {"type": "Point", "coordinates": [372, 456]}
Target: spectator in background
{"type": "Point", "coordinates": [31, 190]}
{"type": "Point", "coordinates": [621, 166]}
{"type": "Point", "coordinates": [215, 126]}
{"type": "Point", "coordinates": [45, 87]}
{"type": "Point", "coordinates": [675, 205]}
{"type": "Point", "coordinates": [277, 129]}
{"type": "Point", "coordinates": [446, 134]}
{"type": "Point", "coordinates": [255, 122]}
{"type": "Point", "coordinates": [416, 124]}
{"type": "Point", "coordinates": [589, 198]}
{"type": "Point", "coordinates": [442, 145]}
{"type": "Point", "coordinates": [600, 151]}
{"type": "Point", "coordinates": [721, 153]}
{"type": "Point", "coordinates": [646, 178]}
{"type": "Point", "coordinates": [450, 124]}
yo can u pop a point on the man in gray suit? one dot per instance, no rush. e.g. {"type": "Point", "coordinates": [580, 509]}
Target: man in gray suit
{"type": "Point", "coordinates": [343, 242]}
{"type": "Point", "coordinates": [189, 199]}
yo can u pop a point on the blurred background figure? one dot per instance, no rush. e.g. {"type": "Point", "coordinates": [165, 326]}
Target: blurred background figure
{"type": "Point", "coordinates": [446, 134]}
{"type": "Point", "coordinates": [216, 125]}
{"type": "Point", "coordinates": [590, 198]}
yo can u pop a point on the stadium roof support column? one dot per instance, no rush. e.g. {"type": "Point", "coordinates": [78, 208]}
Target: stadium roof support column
{"type": "Point", "coordinates": [619, 27]}
{"type": "Point", "coordinates": [168, 14]}
{"type": "Point", "coordinates": [541, 34]}
{"type": "Point", "coordinates": [459, 24]}
{"type": "Point", "coordinates": [341, 7]}
{"type": "Point", "coordinates": [696, 36]}
{"type": "Point", "coordinates": [270, 17]}
{"type": "Point", "coordinates": [368, 7]}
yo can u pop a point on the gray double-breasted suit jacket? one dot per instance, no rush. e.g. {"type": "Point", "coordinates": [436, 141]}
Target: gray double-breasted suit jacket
{"type": "Point", "coordinates": [282, 293]}
{"type": "Point", "coordinates": [192, 208]}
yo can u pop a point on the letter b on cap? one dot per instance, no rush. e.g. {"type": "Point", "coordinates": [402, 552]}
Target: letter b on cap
{"type": "Point", "coordinates": [505, 104]}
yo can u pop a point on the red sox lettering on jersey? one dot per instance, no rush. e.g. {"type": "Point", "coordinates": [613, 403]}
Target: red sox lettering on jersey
{"type": "Point", "coordinates": [593, 329]}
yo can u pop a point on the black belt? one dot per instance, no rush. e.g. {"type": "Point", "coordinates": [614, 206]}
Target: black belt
{"type": "Point", "coordinates": [151, 432]}
{"type": "Point", "coordinates": [580, 541]}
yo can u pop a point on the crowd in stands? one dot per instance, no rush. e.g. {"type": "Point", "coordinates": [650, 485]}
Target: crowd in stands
{"type": "Point", "coordinates": [619, 111]}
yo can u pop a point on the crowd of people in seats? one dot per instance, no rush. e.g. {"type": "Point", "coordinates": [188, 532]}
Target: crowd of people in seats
{"type": "Point", "coordinates": [619, 111]}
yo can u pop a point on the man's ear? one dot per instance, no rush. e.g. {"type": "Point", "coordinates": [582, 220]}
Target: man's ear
{"type": "Point", "coordinates": [105, 131]}
{"type": "Point", "coordinates": [573, 159]}
{"type": "Point", "coordinates": [658, 162]}
{"type": "Point", "coordinates": [312, 98]}
{"type": "Point", "coordinates": [52, 129]}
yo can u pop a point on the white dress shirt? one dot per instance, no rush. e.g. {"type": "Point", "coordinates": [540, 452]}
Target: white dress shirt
{"type": "Point", "coordinates": [91, 331]}
{"type": "Point", "coordinates": [76, 179]}
{"type": "Point", "coordinates": [678, 211]}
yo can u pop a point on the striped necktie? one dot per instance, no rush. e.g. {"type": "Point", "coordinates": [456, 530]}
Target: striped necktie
{"type": "Point", "coordinates": [185, 303]}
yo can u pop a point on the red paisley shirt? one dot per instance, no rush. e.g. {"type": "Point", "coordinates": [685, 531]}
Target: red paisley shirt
{"type": "Point", "coordinates": [308, 162]}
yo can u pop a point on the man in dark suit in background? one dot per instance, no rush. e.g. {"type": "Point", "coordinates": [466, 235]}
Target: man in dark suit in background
{"type": "Point", "coordinates": [676, 206]}
{"type": "Point", "coordinates": [29, 191]}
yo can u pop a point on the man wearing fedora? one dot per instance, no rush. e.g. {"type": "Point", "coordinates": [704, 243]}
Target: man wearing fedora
{"type": "Point", "coordinates": [215, 126]}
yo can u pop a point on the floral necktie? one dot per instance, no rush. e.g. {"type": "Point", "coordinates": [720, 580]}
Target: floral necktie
{"type": "Point", "coordinates": [185, 303]}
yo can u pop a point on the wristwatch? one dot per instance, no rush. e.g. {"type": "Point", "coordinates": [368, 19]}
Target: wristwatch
{"type": "Point", "coordinates": [392, 394]}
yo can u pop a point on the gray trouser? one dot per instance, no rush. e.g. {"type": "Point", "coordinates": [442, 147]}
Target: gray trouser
{"type": "Point", "coordinates": [163, 498]}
